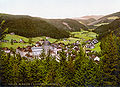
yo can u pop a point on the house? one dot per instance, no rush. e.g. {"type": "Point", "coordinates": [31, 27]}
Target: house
{"type": "Point", "coordinates": [14, 41]}
{"type": "Point", "coordinates": [18, 50]}
{"type": "Point", "coordinates": [12, 33]}
{"type": "Point", "coordinates": [22, 52]}
{"type": "Point", "coordinates": [6, 50]}
{"type": "Point", "coordinates": [92, 46]}
{"type": "Point", "coordinates": [38, 44]}
{"type": "Point", "coordinates": [95, 41]}
{"type": "Point", "coordinates": [88, 41]}
{"type": "Point", "coordinates": [21, 41]}
{"type": "Point", "coordinates": [36, 51]}
{"type": "Point", "coordinates": [96, 58]}
{"type": "Point", "coordinates": [4, 41]}
{"type": "Point", "coordinates": [87, 51]}
{"type": "Point", "coordinates": [47, 37]}
{"type": "Point", "coordinates": [41, 41]}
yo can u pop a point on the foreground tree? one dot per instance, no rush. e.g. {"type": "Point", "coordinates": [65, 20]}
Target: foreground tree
{"type": "Point", "coordinates": [87, 73]}
{"type": "Point", "coordinates": [111, 62]}
{"type": "Point", "coordinates": [3, 30]}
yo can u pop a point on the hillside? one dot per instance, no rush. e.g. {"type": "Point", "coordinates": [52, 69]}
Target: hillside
{"type": "Point", "coordinates": [31, 26]}
{"type": "Point", "coordinates": [86, 21]}
{"type": "Point", "coordinates": [67, 24]}
{"type": "Point", "coordinates": [89, 17]}
{"type": "Point", "coordinates": [105, 20]}
{"type": "Point", "coordinates": [105, 29]}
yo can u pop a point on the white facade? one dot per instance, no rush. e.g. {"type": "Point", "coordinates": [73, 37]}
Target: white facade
{"type": "Point", "coordinates": [97, 58]}
{"type": "Point", "coordinates": [36, 51]}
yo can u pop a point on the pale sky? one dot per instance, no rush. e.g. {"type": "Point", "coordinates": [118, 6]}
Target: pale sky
{"type": "Point", "coordinates": [59, 8]}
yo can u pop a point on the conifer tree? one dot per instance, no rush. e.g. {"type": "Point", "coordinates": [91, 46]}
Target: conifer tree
{"type": "Point", "coordinates": [51, 73]}
{"type": "Point", "coordinates": [111, 60]}
{"type": "Point", "coordinates": [11, 41]}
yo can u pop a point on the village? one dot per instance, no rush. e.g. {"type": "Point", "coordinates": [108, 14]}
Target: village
{"type": "Point", "coordinates": [53, 49]}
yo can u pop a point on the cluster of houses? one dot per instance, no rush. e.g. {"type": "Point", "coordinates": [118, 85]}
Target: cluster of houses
{"type": "Point", "coordinates": [14, 41]}
{"type": "Point", "coordinates": [91, 43]}
{"type": "Point", "coordinates": [4, 41]}
{"type": "Point", "coordinates": [53, 50]}
{"type": "Point", "coordinates": [48, 48]}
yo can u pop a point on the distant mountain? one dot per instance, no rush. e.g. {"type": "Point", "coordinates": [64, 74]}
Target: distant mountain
{"type": "Point", "coordinates": [87, 19]}
{"type": "Point", "coordinates": [31, 26]}
{"type": "Point", "coordinates": [105, 19]}
{"type": "Point", "coordinates": [113, 26]}
{"type": "Point", "coordinates": [67, 24]}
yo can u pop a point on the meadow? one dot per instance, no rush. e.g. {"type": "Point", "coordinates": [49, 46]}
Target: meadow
{"type": "Point", "coordinates": [75, 36]}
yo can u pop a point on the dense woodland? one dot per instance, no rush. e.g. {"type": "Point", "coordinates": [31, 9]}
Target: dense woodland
{"type": "Point", "coordinates": [28, 26]}
{"type": "Point", "coordinates": [32, 27]}
{"type": "Point", "coordinates": [73, 24]}
{"type": "Point", "coordinates": [105, 29]}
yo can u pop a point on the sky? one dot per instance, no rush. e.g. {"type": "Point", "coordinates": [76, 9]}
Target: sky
{"type": "Point", "coordinates": [59, 8]}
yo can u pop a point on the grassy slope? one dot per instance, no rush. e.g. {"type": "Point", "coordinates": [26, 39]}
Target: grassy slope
{"type": "Point", "coordinates": [80, 36]}
{"type": "Point", "coordinates": [17, 38]}
{"type": "Point", "coordinates": [85, 35]}
{"type": "Point", "coordinates": [85, 22]}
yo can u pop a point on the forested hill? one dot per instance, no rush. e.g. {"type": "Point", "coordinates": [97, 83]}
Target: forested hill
{"type": "Point", "coordinates": [107, 19]}
{"type": "Point", "coordinates": [105, 29]}
{"type": "Point", "coordinates": [67, 24]}
{"type": "Point", "coordinates": [31, 26]}
{"type": "Point", "coordinates": [86, 21]}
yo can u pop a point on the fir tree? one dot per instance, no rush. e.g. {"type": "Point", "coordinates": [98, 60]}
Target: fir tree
{"type": "Point", "coordinates": [111, 60]}
{"type": "Point", "coordinates": [11, 42]}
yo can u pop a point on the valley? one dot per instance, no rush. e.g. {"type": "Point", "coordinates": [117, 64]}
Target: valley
{"type": "Point", "coordinates": [75, 36]}
{"type": "Point", "coordinates": [60, 52]}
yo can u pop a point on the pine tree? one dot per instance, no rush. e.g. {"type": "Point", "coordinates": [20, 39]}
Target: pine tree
{"type": "Point", "coordinates": [3, 30]}
{"type": "Point", "coordinates": [51, 73]}
{"type": "Point", "coordinates": [11, 41]}
{"type": "Point", "coordinates": [23, 72]}
{"type": "Point", "coordinates": [87, 73]}
{"type": "Point", "coordinates": [111, 60]}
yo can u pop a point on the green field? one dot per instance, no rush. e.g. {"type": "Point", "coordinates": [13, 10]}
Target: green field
{"type": "Point", "coordinates": [69, 40]}
{"type": "Point", "coordinates": [15, 45]}
{"type": "Point", "coordinates": [97, 47]}
{"type": "Point", "coordinates": [84, 35]}
{"type": "Point", "coordinates": [15, 37]}
{"type": "Point", "coordinates": [113, 18]}
{"type": "Point", "coordinates": [97, 25]}
{"type": "Point", "coordinates": [75, 36]}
